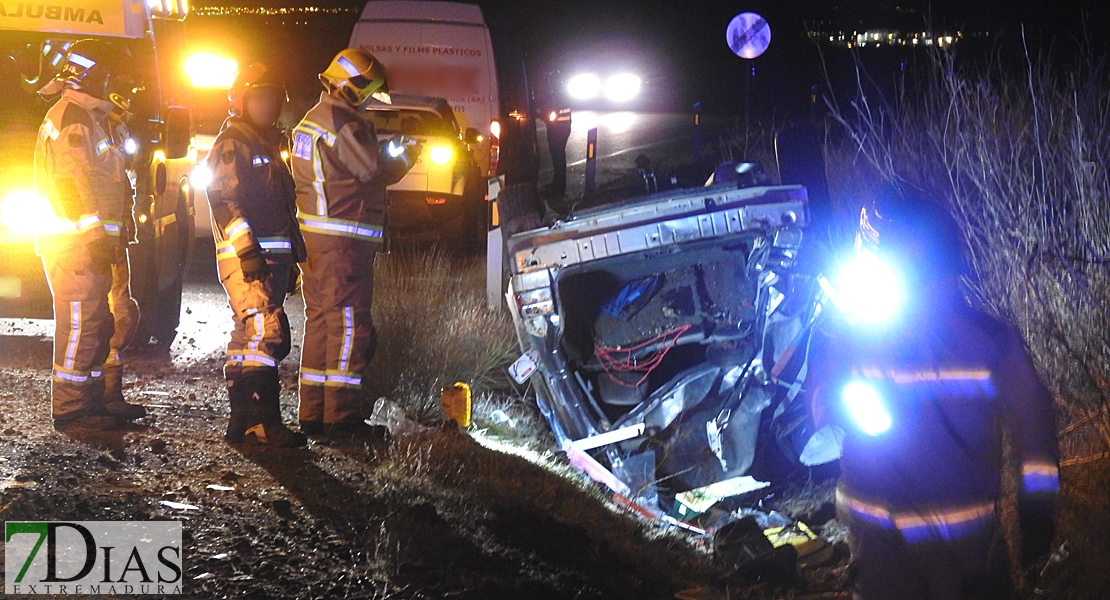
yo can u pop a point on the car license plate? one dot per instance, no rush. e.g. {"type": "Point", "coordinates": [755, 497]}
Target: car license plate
{"type": "Point", "coordinates": [10, 287]}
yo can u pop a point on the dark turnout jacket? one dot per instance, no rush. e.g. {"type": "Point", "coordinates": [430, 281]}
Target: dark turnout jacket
{"type": "Point", "coordinates": [251, 194]}
{"type": "Point", "coordinates": [949, 384]}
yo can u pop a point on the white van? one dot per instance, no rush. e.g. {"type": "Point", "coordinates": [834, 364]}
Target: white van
{"type": "Point", "coordinates": [443, 50]}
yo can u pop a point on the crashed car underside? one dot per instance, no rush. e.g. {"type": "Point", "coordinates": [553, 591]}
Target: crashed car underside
{"type": "Point", "coordinates": [667, 332]}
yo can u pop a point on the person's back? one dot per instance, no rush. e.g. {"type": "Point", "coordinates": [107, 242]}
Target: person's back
{"type": "Point", "coordinates": [923, 400]}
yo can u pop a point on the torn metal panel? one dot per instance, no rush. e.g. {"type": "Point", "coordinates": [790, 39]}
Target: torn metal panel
{"type": "Point", "coordinates": [649, 325]}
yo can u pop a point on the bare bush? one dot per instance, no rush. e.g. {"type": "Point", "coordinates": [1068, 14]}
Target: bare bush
{"type": "Point", "coordinates": [1019, 158]}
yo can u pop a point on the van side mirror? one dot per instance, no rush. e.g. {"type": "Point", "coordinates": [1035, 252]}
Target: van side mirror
{"type": "Point", "coordinates": [472, 136]}
{"type": "Point", "coordinates": [178, 131]}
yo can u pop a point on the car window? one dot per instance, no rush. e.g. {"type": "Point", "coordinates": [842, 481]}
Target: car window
{"type": "Point", "coordinates": [411, 122]}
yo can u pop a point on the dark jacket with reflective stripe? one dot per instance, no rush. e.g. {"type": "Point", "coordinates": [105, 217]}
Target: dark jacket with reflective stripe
{"type": "Point", "coordinates": [79, 167]}
{"type": "Point", "coordinates": [251, 194]}
{"type": "Point", "coordinates": [949, 387]}
{"type": "Point", "coordinates": [341, 177]}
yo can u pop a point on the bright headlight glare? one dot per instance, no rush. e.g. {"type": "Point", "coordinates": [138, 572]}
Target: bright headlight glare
{"type": "Point", "coordinates": [869, 289]}
{"type": "Point", "coordinates": [202, 176]}
{"type": "Point", "coordinates": [622, 87]}
{"type": "Point", "coordinates": [28, 212]}
{"type": "Point", "coordinates": [441, 155]}
{"type": "Point", "coordinates": [866, 407]}
{"type": "Point", "coordinates": [130, 146]}
{"type": "Point", "coordinates": [584, 86]}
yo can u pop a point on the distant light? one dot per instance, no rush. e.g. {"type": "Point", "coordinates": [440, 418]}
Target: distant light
{"type": "Point", "coordinates": [202, 176]}
{"type": "Point", "coordinates": [554, 115]}
{"type": "Point", "coordinates": [130, 146]}
{"type": "Point", "coordinates": [866, 407]}
{"type": "Point", "coordinates": [284, 156]}
{"type": "Point", "coordinates": [207, 70]}
{"type": "Point", "coordinates": [622, 87]}
{"type": "Point", "coordinates": [495, 129]}
{"type": "Point", "coordinates": [584, 86]}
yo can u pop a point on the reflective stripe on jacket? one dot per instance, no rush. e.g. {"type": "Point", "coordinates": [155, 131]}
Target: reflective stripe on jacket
{"type": "Point", "coordinates": [341, 176]}
{"type": "Point", "coordinates": [79, 167]}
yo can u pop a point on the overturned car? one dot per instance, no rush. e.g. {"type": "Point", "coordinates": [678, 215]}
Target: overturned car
{"type": "Point", "coordinates": [665, 335]}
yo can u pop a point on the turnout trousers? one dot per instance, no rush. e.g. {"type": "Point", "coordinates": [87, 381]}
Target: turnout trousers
{"type": "Point", "coordinates": [260, 338]}
{"type": "Point", "coordinates": [95, 318]}
{"type": "Point", "coordinates": [338, 287]}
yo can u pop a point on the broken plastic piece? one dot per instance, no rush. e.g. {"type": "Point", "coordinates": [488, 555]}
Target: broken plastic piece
{"type": "Point", "coordinates": [699, 500]}
{"type": "Point", "coordinates": [500, 417]}
{"type": "Point", "coordinates": [391, 416]}
{"type": "Point", "coordinates": [178, 505]}
{"type": "Point", "coordinates": [524, 366]}
{"type": "Point", "coordinates": [586, 463]}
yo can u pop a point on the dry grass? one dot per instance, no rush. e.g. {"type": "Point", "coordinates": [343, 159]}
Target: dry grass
{"type": "Point", "coordinates": [1020, 161]}
{"type": "Point", "coordinates": [1019, 157]}
{"type": "Point", "coordinates": [434, 329]}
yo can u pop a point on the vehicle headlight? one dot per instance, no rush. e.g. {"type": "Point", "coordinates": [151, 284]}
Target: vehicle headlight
{"type": "Point", "coordinates": [866, 407]}
{"type": "Point", "coordinates": [202, 176]}
{"type": "Point", "coordinates": [584, 86]}
{"type": "Point", "coordinates": [868, 289]}
{"type": "Point", "coordinates": [26, 211]}
{"type": "Point", "coordinates": [622, 87]}
{"type": "Point", "coordinates": [207, 70]}
{"type": "Point", "coordinates": [441, 155]}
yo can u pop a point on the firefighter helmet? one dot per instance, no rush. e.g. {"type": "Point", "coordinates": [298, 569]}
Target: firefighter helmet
{"type": "Point", "coordinates": [93, 67]}
{"type": "Point", "coordinates": [257, 76]}
{"type": "Point", "coordinates": [356, 76]}
{"type": "Point", "coordinates": [916, 229]}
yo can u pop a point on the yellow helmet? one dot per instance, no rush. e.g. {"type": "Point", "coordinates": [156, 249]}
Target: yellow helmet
{"type": "Point", "coordinates": [358, 76]}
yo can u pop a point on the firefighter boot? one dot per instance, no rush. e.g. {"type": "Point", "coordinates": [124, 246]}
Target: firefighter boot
{"type": "Point", "coordinates": [264, 396]}
{"type": "Point", "coordinates": [114, 404]}
{"type": "Point", "coordinates": [239, 419]}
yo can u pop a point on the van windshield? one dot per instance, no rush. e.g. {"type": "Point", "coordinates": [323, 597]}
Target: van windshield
{"type": "Point", "coordinates": [412, 122]}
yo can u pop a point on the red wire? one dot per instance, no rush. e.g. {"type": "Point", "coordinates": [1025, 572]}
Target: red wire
{"type": "Point", "coordinates": [608, 357]}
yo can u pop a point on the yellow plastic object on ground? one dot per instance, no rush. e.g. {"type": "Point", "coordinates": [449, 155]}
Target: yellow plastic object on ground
{"type": "Point", "coordinates": [456, 403]}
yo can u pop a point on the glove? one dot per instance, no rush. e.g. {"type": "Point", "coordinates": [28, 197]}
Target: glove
{"type": "Point", "coordinates": [294, 279]}
{"type": "Point", "coordinates": [1037, 529]}
{"type": "Point", "coordinates": [254, 266]}
{"type": "Point", "coordinates": [103, 252]}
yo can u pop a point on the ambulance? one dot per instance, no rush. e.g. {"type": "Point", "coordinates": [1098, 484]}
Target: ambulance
{"type": "Point", "coordinates": [34, 39]}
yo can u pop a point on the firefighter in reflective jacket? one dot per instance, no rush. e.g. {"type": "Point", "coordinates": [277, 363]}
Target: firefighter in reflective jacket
{"type": "Point", "coordinates": [341, 172]}
{"type": "Point", "coordinates": [257, 247]}
{"type": "Point", "coordinates": [923, 386]}
{"type": "Point", "coordinates": [79, 165]}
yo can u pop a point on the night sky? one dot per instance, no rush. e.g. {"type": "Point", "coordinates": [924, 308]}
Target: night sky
{"type": "Point", "coordinates": [680, 46]}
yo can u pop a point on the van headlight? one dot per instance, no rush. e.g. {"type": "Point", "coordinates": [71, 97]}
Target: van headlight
{"type": "Point", "coordinates": [441, 155]}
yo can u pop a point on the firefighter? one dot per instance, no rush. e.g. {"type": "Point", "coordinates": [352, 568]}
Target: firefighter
{"type": "Point", "coordinates": [924, 386]}
{"type": "Point", "coordinates": [257, 247]}
{"type": "Point", "coordinates": [79, 166]}
{"type": "Point", "coordinates": [341, 172]}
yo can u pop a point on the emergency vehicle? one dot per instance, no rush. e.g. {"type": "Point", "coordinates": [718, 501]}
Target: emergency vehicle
{"type": "Point", "coordinates": [34, 39]}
